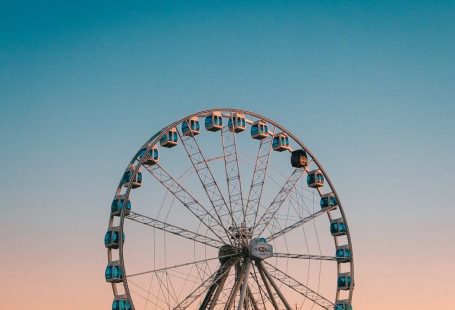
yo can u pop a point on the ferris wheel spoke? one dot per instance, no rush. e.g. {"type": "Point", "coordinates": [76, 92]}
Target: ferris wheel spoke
{"type": "Point", "coordinates": [203, 287]}
{"type": "Point", "coordinates": [298, 287]}
{"type": "Point", "coordinates": [172, 229]}
{"type": "Point", "coordinates": [166, 288]}
{"type": "Point", "coordinates": [251, 298]}
{"type": "Point", "coordinates": [231, 256]}
{"type": "Point", "coordinates": [305, 256]}
{"type": "Point", "coordinates": [154, 301]}
{"type": "Point", "coordinates": [296, 224]}
{"type": "Point", "coordinates": [181, 194]}
{"type": "Point", "coordinates": [258, 180]}
{"type": "Point", "coordinates": [278, 201]}
{"type": "Point", "coordinates": [205, 175]}
{"type": "Point", "coordinates": [231, 164]}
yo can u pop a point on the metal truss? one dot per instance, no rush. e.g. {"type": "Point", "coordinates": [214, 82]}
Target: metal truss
{"type": "Point", "coordinates": [298, 287]}
{"type": "Point", "coordinates": [234, 183]}
{"type": "Point", "coordinates": [279, 199]}
{"type": "Point", "coordinates": [205, 175]}
{"type": "Point", "coordinates": [182, 232]}
{"type": "Point", "coordinates": [181, 194]}
{"type": "Point", "coordinates": [258, 180]}
{"type": "Point", "coordinates": [304, 256]}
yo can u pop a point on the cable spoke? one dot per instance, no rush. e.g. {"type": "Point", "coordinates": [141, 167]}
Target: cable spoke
{"type": "Point", "coordinates": [206, 178]}
{"type": "Point", "coordinates": [299, 287]}
{"type": "Point", "coordinates": [258, 180]}
{"type": "Point", "coordinates": [174, 187]}
{"type": "Point", "coordinates": [182, 265]}
{"type": "Point", "coordinates": [231, 163]}
{"type": "Point", "coordinates": [304, 256]}
{"type": "Point", "coordinates": [295, 225]}
{"type": "Point", "coordinates": [169, 228]}
{"type": "Point", "coordinates": [279, 199]}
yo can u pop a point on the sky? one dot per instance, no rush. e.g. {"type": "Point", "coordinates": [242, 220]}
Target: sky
{"type": "Point", "coordinates": [368, 86]}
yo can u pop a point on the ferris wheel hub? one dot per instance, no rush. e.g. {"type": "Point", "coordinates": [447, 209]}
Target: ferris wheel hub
{"type": "Point", "coordinates": [241, 234]}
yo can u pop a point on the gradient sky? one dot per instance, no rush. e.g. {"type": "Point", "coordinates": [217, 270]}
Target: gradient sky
{"type": "Point", "coordinates": [368, 86]}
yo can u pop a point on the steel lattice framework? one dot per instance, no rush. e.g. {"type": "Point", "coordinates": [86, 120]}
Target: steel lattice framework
{"type": "Point", "coordinates": [239, 226]}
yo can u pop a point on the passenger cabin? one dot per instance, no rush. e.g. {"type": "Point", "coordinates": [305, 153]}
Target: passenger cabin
{"type": "Point", "coordinates": [214, 121]}
{"type": "Point", "coordinates": [343, 305]}
{"type": "Point", "coordinates": [119, 204]}
{"type": "Point", "coordinates": [343, 254]}
{"type": "Point", "coordinates": [137, 178]}
{"type": "Point", "coordinates": [328, 201]}
{"type": "Point", "coordinates": [112, 238]}
{"type": "Point", "coordinates": [299, 159]}
{"type": "Point", "coordinates": [338, 227]}
{"type": "Point", "coordinates": [151, 158]}
{"type": "Point", "coordinates": [170, 138]}
{"type": "Point", "coordinates": [344, 281]}
{"type": "Point", "coordinates": [315, 179]}
{"type": "Point", "coordinates": [280, 142]}
{"type": "Point", "coordinates": [121, 303]}
{"type": "Point", "coordinates": [237, 122]}
{"type": "Point", "coordinates": [259, 130]}
{"type": "Point", "coordinates": [114, 272]}
{"type": "Point", "coordinates": [191, 126]}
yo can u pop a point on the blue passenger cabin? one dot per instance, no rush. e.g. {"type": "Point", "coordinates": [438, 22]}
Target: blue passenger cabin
{"type": "Point", "coordinates": [344, 281]}
{"type": "Point", "coordinates": [343, 305]}
{"type": "Point", "coordinates": [137, 179]}
{"type": "Point", "coordinates": [114, 273]}
{"type": "Point", "coordinates": [121, 303]}
{"type": "Point", "coordinates": [112, 238]}
{"type": "Point", "coordinates": [315, 179]}
{"type": "Point", "coordinates": [191, 126]}
{"type": "Point", "coordinates": [170, 138]}
{"type": "Point", "coordinates": [280, 142]}
{"type": "Point", "coordinates": [328, 201]}
{"type": "Point", "coordinates": [214, 121]}
{"type": "Point", "coordinates": [151, 158]}
{"type": "Point", "coordinates": [299, 159]}
{"type": "Point", "coordinates": [237, 122]}
{"type": "Point", "coordinates": [338, 227]}
{"type": "Point", "coordinates": [119, 204]}
{"type": "Point", "coordinates": [259, 130]}
{"type": "Point", "coordinates": [343, 254]}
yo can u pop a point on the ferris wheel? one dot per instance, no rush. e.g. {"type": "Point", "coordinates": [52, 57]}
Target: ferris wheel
{"type": "Point", "coordinates": [238, 214]}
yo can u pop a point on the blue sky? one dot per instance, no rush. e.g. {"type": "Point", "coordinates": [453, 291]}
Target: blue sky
{"type": "Point", "coordinates": [369, 87]}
